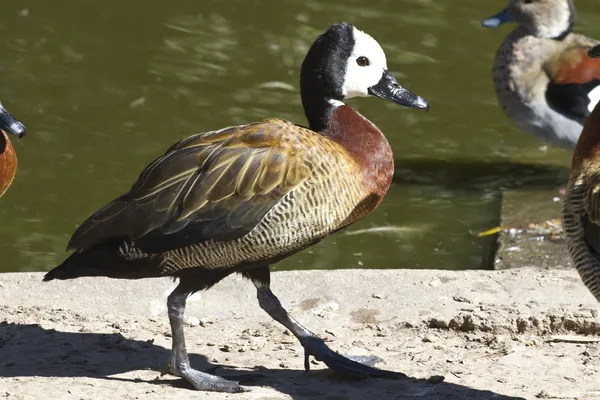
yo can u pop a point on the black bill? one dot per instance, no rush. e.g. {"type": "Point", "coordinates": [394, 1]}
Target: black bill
{"type": "Point", "coordinates": [9, 124]}
{"type": "Point", "coordinates": [388, 88]}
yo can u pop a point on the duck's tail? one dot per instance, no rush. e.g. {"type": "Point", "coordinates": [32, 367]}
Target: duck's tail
{"type": "Point", "coordinates": [103, 260]}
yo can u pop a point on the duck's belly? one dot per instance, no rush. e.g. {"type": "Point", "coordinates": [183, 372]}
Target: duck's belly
{"type": "Point", "coordinates": [300, 219]}
{"type": "Point", "coordinates": [538, 119]}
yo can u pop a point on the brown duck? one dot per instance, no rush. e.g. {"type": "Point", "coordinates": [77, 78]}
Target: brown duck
{"type": "Point", "coordinates": [242, 198]}
{"type": "Point", "coordinates": [581, 208]}
{"type": "Point", "coordinates": [8, 157]}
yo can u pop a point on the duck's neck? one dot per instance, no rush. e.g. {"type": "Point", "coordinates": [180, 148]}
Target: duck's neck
{"type": "Point", "coordinates": [365, 144]}
{"type": "Point", "coordinates": [318, 112]}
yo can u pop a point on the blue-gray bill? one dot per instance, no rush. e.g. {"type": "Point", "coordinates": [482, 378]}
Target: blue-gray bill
{"type": "Point", "coordinates": [496, 20]}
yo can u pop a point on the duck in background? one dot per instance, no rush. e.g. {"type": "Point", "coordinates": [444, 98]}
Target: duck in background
{"type": "Point", "coordinates": [244, 197]}
{"type": "Point", "coordinates": [581, 208]}
{"type": "Point", "coordinates": [8, 157]}
{"type": "Point", "coordinates": [544, 80]}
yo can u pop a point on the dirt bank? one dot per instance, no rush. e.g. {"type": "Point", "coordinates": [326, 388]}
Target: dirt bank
{"type": "Point", "coordinates": [491, 335]}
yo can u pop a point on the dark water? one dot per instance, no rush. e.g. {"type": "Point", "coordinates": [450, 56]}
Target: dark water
{"type": "Point", "coordinates": [105, 86]}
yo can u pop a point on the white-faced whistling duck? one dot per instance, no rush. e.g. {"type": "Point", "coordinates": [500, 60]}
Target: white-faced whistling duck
{"type": "Point", "coordinates": [242, 198]}
{"type": "Point", "coordinates": [581, 208]}
{"type": "Point", "coordinates": [544, 80]}
{"type": "Point", "coordinates": [8, 157]}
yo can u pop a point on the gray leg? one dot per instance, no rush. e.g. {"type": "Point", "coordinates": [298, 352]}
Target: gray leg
{"type": "Point", "coordinates": [313, 345]}
{"type": "Point", "coordinates": [180, 363]}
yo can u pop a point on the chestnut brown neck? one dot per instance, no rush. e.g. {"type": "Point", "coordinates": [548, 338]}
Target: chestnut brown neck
{"type": "Point", "coordinates": [366, 144]}
{"type": "Point", "coordinates": [588, 147]}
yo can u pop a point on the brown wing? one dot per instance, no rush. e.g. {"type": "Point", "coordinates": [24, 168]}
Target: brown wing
{"type": "Point", "coordinates": [216, 185]}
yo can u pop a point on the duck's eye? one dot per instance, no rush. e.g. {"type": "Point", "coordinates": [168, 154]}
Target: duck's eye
{"type": "Point", "coordinates": [362, 61]}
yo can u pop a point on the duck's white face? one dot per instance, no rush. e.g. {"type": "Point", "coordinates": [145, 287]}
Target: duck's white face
{"type": "Point", "coordinates": [365, 66]}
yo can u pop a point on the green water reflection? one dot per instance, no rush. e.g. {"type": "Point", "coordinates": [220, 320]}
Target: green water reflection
{"type": "Point", "coordinates": [105, 86]}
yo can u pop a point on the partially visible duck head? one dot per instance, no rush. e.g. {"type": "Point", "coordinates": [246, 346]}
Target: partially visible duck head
{"type": "Point", "coordinates": [9, 124]}
{"type": "Point", "coordinates": [550, 19]}
{"type": "Point", "coordinates": [345, 62]}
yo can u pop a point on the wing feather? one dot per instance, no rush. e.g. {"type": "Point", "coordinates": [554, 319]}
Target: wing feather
{"type": "Point", "coordinates": [217, 185]}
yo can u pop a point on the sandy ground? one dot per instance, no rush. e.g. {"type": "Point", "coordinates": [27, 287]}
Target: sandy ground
{"type": "Point", "coordinates": [510, 334]}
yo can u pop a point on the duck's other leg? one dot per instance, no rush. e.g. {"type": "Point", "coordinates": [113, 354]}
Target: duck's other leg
{"type": "Point", "coordinates": [180, 363]}
{"type": "Point", "coordinates": [313, 345]}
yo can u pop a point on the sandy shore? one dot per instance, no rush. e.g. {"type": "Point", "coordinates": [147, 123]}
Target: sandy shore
{"type": "Point", "coordinates": [522, 333]}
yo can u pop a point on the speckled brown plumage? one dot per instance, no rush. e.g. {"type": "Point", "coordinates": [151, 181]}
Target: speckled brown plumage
{"type": "Point", "coordinates": [542, 82]}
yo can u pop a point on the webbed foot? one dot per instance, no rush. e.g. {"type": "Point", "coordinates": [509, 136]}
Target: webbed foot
{"type": "Point", "coordinates": [356, 367]}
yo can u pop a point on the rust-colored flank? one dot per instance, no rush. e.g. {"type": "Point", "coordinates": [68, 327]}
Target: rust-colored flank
{"type": "Point", "coordinates": [8, 162]}
{"type": "Point", "coordinates": [575, 66]}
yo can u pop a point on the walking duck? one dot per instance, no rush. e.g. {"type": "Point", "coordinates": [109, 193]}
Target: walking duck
{"type": "Point", "coordinates": [581, 208]}
{"type": "Point", "coordinates": [544, 81]}
{"type": "Point", "coordinates": [242, 198]}
{"type": "Point", "coordinates": [8, 157]}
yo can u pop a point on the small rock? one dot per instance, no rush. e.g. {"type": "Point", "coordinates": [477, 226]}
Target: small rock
{"type": "Point", "coordinates": [192, 321]}
{"type": "Point", "coordinates": [428, 339]}
{"type": "Point", "coordinates": [377, 296]}
{"type": "Point", "coordinates": [225, 348]}
{"type": "Point", "coordinates": [436, 379]}
{"type": "Point", "coordinates": [323, 309]}
{"type": "Point", "coordinates": [203, 322]}
{"type": "Point", "coordinates": [437, 324]}
{"type": "Point", "coordinates": [461, 299]}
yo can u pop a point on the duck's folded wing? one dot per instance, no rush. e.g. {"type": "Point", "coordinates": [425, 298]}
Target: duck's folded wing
{"type": "Point", "coordinates": [217, 185]}
{"type": "Point", "coordinates": [574, 87]}
{"type": "Point", "coordinates": [590, 213]}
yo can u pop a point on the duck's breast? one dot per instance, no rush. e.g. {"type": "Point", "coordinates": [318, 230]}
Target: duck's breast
{"type": "Point", "coordinates": [367, 147]}
{"type": "Point", "coordinates": [8, 162]}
